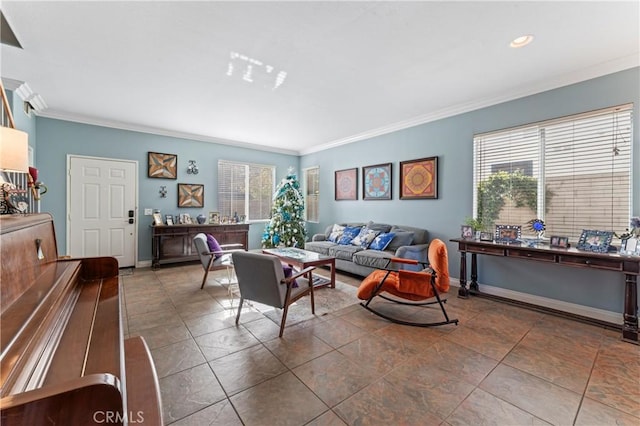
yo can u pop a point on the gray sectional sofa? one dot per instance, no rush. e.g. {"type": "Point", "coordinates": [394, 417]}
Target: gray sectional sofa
{"type": "Point", "coordinates": [407, 242]}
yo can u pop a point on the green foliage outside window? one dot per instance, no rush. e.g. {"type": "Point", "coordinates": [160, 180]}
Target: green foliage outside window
{"type": "Point", "coordinates": [500, 186]}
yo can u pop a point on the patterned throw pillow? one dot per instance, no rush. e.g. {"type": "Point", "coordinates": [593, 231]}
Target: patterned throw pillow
{"type": "Point", "coordinates": [349, 234]}
{"type": "Point", "coordinates": [382, 241]}
{"type": "Point", "coordinates": [336, 233]}
{"type": "Point", "coordinates": [365, 237]}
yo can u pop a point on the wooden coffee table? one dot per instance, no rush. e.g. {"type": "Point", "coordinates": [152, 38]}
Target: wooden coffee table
{"type": "Point", "coordinates": [302, 259]}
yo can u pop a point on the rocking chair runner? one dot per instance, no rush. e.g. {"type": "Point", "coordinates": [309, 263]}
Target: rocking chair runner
{"type": "Point", "coordinates": [416, 288]}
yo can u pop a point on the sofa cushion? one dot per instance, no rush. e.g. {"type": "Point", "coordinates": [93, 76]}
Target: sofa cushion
{"type": "Point", "coordinates": [348, 234]}
{"type": "Point", "coordinates": [344, 252]}
{"type": "Point", "coordinates": [402, 238]}
{"type": "Point", "coordinates": [381, 241]}
{"type": "Point", "coordinates": [365, 237]}
{"type": "Point", "coordinates": [336, 233]}
{"type": "Point", "coordinates": [420, 235]}
{"type": "Point", "coordinates": [372, 258]}
{"type": "Point", "coordinates": [321, 247]}
{"type": "Point", "coordinates": [382, 227]}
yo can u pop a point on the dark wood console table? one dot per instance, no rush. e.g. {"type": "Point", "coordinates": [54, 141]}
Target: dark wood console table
{"type": "Point", "coordinates": [174, 243]}
{"type": "Point", "coordinates": [627, 265]}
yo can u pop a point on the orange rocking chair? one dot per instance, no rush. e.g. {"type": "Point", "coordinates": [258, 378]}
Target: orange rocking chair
{"type": "Point", "coordinates": [413, 288]}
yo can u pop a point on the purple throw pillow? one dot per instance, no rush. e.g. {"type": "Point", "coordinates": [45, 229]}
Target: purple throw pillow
{"type": "Point", "coordinates": [288, 271]}
{"type": "Point", "coordinates": [214, 246]}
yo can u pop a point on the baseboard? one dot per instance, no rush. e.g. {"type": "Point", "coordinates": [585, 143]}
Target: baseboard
{"type": "Point", "coordinates": [143, 264]}
{"type": "Point", "coordinates": [545, 303]}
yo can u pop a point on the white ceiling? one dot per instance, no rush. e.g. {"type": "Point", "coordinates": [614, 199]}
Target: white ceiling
{"type": "Point", "coordinates": [353, 69]}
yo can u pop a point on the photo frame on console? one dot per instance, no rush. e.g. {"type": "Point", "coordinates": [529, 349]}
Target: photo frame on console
{"type": "Point", "coordinates": [508, 233]}
{"type": "Point", "coordinates": [595, 241]}
{"type": "Point", "coordinates": [558, 242]}
{"type": "Point", "coordinates": [630, 246]}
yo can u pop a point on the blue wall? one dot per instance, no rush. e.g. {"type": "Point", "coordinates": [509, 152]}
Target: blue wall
{"type": "Point", "coordinates": [451, 139]}
{"type": "Point", "coordinates": [57, 139]}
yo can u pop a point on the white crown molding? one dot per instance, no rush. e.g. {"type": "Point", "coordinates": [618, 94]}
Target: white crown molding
{"type": "Point", "coordinates": [11, 84]}
{"type": "Point", "coordinates": [76, 118]}
{"type": "Point", "coordinates": [558, 305]}
{"type": "Point", "coordinates": [600, 70]}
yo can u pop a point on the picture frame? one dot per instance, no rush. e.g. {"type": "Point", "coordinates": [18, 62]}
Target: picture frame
{"type": "Point", "coordinates": [162, 166]}
{"type": "Point", "coordinates": [595, 241]}
{"type": "Point", "coordinates": [630, 246]}
{"type": "Point", "coordinates": [557, 241]}
{"type": "Point", "coordinates": [157, 219]}
{"type": "Point", "coordinates": [508, 233]}
{"type": "Point", "coordinates": [466, 232]}
{"type": "Point", "coordinates": [486, 236]}
{"type": "Point", "coordinates": [224, 219]}
{"type": "Point", "coordinates": [419, 179]}
{"type": "Point", "coordinates": [185, 219]}
{"type": "Point", "coordinates": [346, 184]}
{"type": "Point", "coordinates": [214, 218]}
{"type": "Point", "coordinates": [169, 219]}
{"type": "Point", "coordinates": [242, 218]}
{"type": "Point", "coordinates": [190, 195]}
{"type": "Point", "coordinates": [376, 182]}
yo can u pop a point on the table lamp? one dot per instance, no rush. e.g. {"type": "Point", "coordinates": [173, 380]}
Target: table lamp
{"type": "Point", "coordinates": [14, 152]}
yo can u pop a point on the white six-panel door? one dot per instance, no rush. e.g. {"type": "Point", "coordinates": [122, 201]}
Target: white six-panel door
{"type": "Point", "coordinates": [101, 200]}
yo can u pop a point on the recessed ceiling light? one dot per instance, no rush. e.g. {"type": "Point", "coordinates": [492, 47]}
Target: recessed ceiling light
{"type": "Point", "coordinates": [521, 41]}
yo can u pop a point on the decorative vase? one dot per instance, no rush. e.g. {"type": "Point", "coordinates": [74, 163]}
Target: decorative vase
{"type": "Point", "coordinates": [201, 219]}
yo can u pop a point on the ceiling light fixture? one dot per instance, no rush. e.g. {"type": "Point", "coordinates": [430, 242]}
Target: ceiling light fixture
{"type": "Point", "coordinates": [251, 70]}
{"type": "Point", "coordinates": [521, 41]}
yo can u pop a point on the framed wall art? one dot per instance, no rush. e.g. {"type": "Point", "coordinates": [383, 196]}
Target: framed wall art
{"type": "Point", "coordinates": [595, 241]}
{"type": "Point", "coordinates": [162, 166]}
{"type": "Point", "coordinates": [376, 182]}
{"type": "Point", "coordinates": [190, 195]}
{"type": "Point", "coordinates": [419, 179]}
{"type": "Point", "coordinates": [346, 182]}
{"type": "Point", "coordinates": [508, 233]}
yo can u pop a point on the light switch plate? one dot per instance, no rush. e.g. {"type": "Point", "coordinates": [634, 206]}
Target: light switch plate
{"type": "Point", "coordinates": [148, 212]}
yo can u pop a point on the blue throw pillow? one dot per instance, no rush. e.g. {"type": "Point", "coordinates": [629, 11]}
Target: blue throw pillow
{"type": "Point", "coordinates": [214, 246]}
{"type": "Point", "coordinates": [348, 234]}
{"type": "Point", "coordinates": [382, 241]}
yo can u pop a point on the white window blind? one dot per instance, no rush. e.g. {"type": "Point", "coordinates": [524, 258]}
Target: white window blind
{"type": "Point", "coordinates": [312, 193]}
{"type": "Point", "coordinates": [245, 189]}
{"type": "Point", "coordinates": [573, 172]}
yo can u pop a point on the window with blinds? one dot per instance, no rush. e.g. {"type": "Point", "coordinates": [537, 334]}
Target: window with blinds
{"type": "Point", "coordinates": [573, 172]}
{"type": "Point", "coordinates": [312, 193]}
{"type": "Point", "coordinates": [245, 189]}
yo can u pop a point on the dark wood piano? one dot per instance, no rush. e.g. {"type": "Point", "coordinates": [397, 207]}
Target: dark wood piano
{"type": "Point", "coordinates": [64, 360]}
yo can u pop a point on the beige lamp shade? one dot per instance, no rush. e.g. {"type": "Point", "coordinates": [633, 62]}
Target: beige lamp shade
{"type": "Point", "coordinates": [14, 150]}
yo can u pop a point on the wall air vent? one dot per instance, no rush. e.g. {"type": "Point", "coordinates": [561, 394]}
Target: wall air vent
{"type": "Point", "coordinates": [7, 35]}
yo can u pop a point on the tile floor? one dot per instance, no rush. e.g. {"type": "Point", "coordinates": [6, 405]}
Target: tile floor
{"type": "Point", "coordinates": [502, 365]}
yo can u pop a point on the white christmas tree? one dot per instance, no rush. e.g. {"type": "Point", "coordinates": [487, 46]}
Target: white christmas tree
{"type": "Point", "coordinates": [286, 227]}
